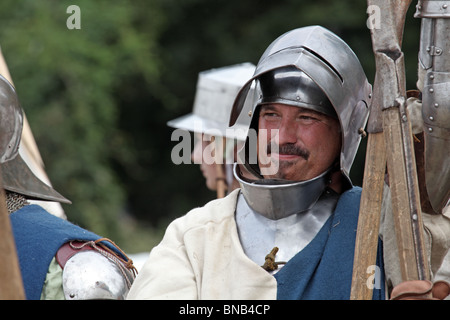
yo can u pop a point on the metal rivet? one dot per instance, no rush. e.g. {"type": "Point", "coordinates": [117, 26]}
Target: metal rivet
{"type": "Point", "coordinates": [250, 113]}
{"type": "Point", "coordinates": [298, 98]}
{"type": "Point", "coordinates": [430, 129]}
{"type": "Point", "coordinates": [431, 90]}
{"type": "Point", "coordinates": [404, 118]}
{"type": "Point", "coordinates": [431, 118]}
{"type": "Point", "coordinates": [444, 6]}
{"type": "Point", "coordinates": [436, 105]}
{"type": "Point", "coordinates": [431, 76]}
{"type": "Point", "coordinates": [438, 51]}
{"type": "Point", "coordinates": [414, 217]}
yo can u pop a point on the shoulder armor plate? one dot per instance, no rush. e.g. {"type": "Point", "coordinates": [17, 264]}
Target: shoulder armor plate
{"type": "Point", "coordinates": [90, 275]}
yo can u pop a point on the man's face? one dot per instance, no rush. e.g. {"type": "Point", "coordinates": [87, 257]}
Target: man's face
{"type": "Point", "coordinates": [308, 142]}
{"type": "Point", "coordinates": [206, 159]}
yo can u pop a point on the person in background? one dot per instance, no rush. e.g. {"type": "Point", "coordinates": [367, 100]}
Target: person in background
{"type": "Point", "coordinates": [216, 90]}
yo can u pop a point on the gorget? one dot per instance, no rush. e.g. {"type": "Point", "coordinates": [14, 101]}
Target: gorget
{"type": "Point", "coordinates": [259, 234]}
{"type": "Point", "coordinates": [277, 198]}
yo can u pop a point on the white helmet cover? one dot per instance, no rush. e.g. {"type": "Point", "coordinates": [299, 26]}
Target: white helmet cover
{"type": "Point", "coordinates": [216, 91]}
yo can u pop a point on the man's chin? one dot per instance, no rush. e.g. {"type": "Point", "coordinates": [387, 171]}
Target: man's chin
{"type": "Point", "coordinates": [280, 170]}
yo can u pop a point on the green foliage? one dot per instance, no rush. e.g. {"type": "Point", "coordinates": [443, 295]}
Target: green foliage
{"type": "Point", "coordinates": [68, 82]}
{"type": "Point", "coordinates": [98, 98]}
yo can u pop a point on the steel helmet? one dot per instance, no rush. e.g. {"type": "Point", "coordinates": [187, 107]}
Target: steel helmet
{"type": "Point", "coordinates": [16, 175]}
{"type": "Point", "coordinates": [321, 71]}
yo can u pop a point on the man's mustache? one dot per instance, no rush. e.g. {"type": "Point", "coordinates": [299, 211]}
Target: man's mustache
{"type": "Point", "coordinates": [290, 149]}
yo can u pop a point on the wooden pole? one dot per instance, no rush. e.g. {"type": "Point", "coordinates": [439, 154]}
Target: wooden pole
{"type": "Point", "coordinates": [405, 196]}
{"type": "Point", "coordinates": [369, 217]}
{"type": "Point", "coordinates": [389, 122]}
{"type": "Point", "coordinates": [11, 285]}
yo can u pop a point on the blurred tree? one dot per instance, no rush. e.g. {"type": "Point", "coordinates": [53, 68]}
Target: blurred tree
{"type": "Point", "coordinates": [68, 82]}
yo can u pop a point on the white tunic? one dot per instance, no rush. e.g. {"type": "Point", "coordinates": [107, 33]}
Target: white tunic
{"type": "Point", "coordinates": [201, 257]}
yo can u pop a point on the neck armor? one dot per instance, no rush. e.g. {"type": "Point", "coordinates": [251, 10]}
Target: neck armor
{"type": "Point", "coordinates": [259, 235]}
{"type": "Point", "coordinates": [276, 198]}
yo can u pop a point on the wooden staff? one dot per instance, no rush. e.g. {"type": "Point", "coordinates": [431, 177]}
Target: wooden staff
{"type": "Point", "coordinates": [390, 141]}
{"type": "Point", "coordinates": [11, 284]}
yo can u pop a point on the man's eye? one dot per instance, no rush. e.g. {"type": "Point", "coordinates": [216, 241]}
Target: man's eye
{"type": "Point", "coordinates": [270, 114]}
{"type": "Point", "coordinates": [308, 119]}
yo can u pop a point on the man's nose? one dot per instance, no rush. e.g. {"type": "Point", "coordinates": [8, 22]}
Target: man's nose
{"type": "Point", "coordinates": [287, 132]}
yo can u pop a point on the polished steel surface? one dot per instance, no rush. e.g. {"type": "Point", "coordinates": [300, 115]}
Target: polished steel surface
{"type": "Point", "coordinates": [330, 63]}
{"type": "Point", "coordinates": [434, 64]}
{"type": "Point", "coordinates": [89, 275]}
{"type": "Point", "coordinates": [290, 86]}
{"type": "Point", "coordinates": [259, 234]}
{"type": "Point", "coordinates": [277, 199]}
{"type": "Point", "coordinates": [16, 175]}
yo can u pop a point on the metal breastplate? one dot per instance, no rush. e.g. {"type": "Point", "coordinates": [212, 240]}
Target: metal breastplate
{"type": "Point", "coordinates": [259, 235]}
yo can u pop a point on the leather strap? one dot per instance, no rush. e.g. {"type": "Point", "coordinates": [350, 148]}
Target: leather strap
{"type": "Point", "coordinates": [69, 249]}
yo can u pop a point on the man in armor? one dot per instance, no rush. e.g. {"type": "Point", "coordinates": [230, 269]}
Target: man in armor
{"type": "Point", "coordinates": [216, 90]}
{"type": "Point", "coordinates": [289, 232]}
{"type": "Point", "coordinates": [429, 104]}
{"type": "Point", "coordinates": [58, 260]}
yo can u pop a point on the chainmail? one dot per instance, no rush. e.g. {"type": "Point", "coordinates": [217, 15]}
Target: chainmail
{"type": "Point", "coordinates": [15, 201]}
